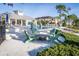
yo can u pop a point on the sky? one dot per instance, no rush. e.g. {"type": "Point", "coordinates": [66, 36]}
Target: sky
{"type": "Point", "coordinates": [39, 9]}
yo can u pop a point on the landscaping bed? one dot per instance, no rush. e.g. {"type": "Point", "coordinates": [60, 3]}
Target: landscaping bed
{"type": "Point", "coordinates": [69, 48]}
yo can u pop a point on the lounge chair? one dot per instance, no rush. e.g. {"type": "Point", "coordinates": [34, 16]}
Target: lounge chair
{"type": "Point", "coordinates": [28, 38]}
{"type": "Point", "coordinates": [56, 36]}
{"type": "Point", "coordinates": [53, 32]}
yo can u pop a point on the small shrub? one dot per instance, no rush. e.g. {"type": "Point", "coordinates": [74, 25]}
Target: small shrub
{"type": "Point", "coordinates": [69, 48]}
{"type": "Point", "coordinates": [60, 50]}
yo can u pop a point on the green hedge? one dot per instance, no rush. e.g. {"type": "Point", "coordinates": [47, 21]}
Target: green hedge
{"type": "Point", "coordinates": [70, 48]}
{"type": "Point", "coordinates": [60, 50]}
{"type": "Point", "coordinates": [71, 37]}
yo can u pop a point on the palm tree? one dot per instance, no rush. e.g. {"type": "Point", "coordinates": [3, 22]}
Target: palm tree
{"type": "Point", "coordinates": [67, 10]}
{"type": "Point", "coordinates": [63, 12]}
{"type": "Point", "coordinates": [72, 18]}
{"type": "Point", "coordinates": [76, 23]}
{"type": "Point", "coordinates": [60, 9]}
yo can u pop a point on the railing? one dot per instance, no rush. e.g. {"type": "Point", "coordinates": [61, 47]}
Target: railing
{"type": "Point", "coordinates": [47, 26]}
{"type": "Point", "coordinates": [2, 33]}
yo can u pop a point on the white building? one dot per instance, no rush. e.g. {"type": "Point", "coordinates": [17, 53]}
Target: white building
{"type": "Point", "coordinates": [16, 18]}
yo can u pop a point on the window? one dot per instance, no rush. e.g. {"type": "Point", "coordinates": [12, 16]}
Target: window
{"type": "Point", "coordinates": [19, 22]}
{"type": "Point", "coordinates": [12, 21]}
{"type": "Point", "coordinates": [23, 22]}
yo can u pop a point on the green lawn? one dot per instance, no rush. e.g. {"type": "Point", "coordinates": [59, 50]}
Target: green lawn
{"type": "Point", "coordinates": [71, 37]}
{"type": "Point", "coordinates": [70, 48]}
{"type": "Point", "coordinates": [75, 29]}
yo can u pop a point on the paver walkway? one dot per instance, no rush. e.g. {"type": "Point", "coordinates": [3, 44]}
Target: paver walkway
{"type": "Point", "coordinates": [13, 45]}
{"type": "Point", "coordinates": [18, 48]}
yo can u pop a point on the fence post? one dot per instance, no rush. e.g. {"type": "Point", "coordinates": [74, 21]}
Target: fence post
{"type": "Point", "coordinates": [2, 32]}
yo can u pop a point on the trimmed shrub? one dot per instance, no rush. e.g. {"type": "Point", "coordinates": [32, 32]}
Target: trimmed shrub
{"type": "Point", "coordinates": [69, 48]}
{"type": "Point", "coordinates": [60, 50]}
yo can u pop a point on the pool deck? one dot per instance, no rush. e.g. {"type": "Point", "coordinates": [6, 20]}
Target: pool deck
{"type": "Point", "coordinates": [14, 45]}
{"type": "Point", "coordinates": [18, 48]}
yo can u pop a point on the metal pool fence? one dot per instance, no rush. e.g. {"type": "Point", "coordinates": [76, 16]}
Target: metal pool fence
{"type": "Point", "coordinates": [2, 33]}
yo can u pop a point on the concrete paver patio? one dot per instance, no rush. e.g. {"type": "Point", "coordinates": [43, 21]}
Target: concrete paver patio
{"type": "Point", "coordinates": [18, 48]}
{"type": "Point", "coordinates": [13, 45]}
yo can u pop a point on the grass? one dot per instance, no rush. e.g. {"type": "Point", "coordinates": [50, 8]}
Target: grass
{"type": "Point", "coordinates": [74, 29]}
{"type": "Point", "coordinates": [70, 36]}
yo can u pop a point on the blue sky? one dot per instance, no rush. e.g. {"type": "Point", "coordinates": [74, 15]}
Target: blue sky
{"type": "Point", "coordinates": [39, 9]}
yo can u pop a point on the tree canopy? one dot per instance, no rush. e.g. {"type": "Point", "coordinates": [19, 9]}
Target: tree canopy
{"type": "Point", "coordinates": [72, 17]}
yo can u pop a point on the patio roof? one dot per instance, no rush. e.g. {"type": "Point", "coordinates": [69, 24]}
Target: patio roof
{"type": "Point", "coordinates": [15, 16]}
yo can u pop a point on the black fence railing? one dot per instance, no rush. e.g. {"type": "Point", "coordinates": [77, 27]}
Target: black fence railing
{"type": "Point", "coordinates": [2, 33]}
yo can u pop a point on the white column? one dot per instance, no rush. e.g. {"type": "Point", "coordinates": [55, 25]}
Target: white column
{"type": "Point", "coordinates": [21, 23]}
{"type": "Point", "coordinates": [15, 21]}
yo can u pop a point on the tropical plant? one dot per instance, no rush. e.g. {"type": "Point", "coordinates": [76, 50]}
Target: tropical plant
{"type": "Point", "coordinates": [76, 23]}
{"type": "Point", "coordinates": [61, 9]}
{"type": "Point", "coordinates": [43, 22]}
{"type": "Point", "coordinates": [64, 23]}
{"type": "Point", "coordinates": [38, 22]}
{"type": "Point", "coordinates": [72, 18]}
{"type": "Point", "coordinates": [3, 20]}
